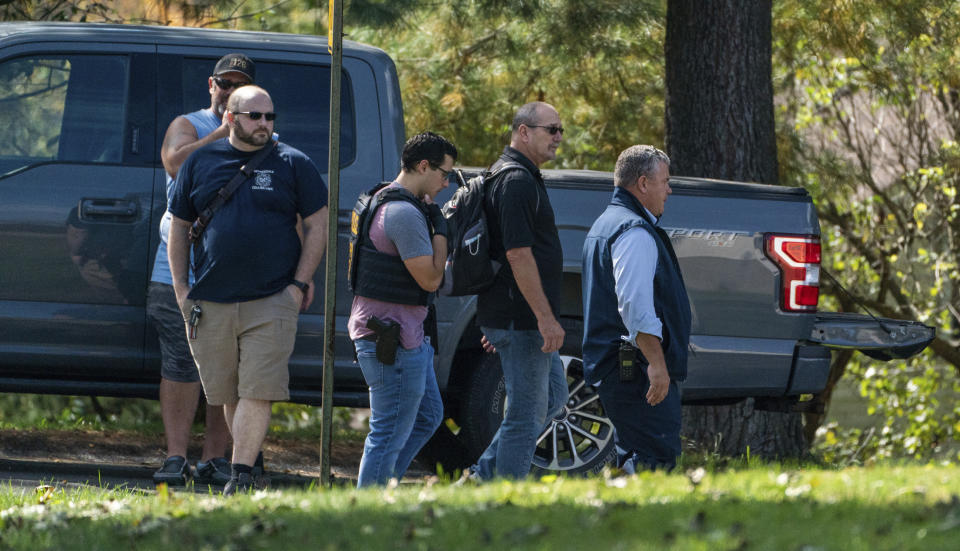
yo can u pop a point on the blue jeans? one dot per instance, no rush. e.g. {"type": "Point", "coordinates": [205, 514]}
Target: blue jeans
{"type": "Point", "coordinates": [536, 392]}
{"type": "Point", "coordinates": [405, 410]}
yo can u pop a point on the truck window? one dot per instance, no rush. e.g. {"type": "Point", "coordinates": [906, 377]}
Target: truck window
{"type": "Point", "coordinates": [301, 98]}
{"type": "Point", "coordinates": [61, 108]}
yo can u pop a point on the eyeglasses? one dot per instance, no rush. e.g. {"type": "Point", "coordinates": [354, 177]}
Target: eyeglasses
{"type": "Point", "coordinates": [443, 172]}
{"type": "Point", "coordinates": [255, 115]}
{"type": "Point", "coordinates": [225, 84]}
{"type": "Point", "coordinates": [551, 129]}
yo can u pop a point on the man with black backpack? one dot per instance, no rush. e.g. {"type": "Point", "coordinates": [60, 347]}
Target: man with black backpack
{"type": "Point", "coordinates": [516, 314]}
{"type": "Point", "coordinates": [397, 255]}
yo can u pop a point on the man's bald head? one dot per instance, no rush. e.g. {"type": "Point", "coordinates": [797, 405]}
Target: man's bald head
{"type": "Point", "coordinates": [244, 94]}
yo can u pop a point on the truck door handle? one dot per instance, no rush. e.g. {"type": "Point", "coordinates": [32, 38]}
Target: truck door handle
{"type": "Point", "coordinates": [111, 210]}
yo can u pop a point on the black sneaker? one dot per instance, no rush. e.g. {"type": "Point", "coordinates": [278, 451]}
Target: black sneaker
{"type": "Point", "coordinates": [174, 472]}
{"type": "Point", "coordinates": [259, 474]}
{"type": "Point", "coordinates": [214, 472]}
{"type": "Point", "coordinates": [258, 466]}
{"type": "Point", "coordinates": [242, 483]}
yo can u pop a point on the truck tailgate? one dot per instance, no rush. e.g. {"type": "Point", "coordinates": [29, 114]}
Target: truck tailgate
{"type": "Point", "coordinates": [880, 338]}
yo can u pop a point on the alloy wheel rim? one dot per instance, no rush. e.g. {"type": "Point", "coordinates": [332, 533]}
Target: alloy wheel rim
{"type": "Point", "coordinates": [581, 432]}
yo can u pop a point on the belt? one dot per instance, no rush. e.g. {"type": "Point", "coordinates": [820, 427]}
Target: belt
{"type": "Point", "coordinates": [372, 337]}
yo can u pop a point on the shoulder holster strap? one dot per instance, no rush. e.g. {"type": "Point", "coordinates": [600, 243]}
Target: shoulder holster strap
{"type": "Point", "coordinates": [223, 194]}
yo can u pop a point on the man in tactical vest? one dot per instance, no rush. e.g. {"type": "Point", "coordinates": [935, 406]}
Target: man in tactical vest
{"type": "Point", "coordinates": [636, 314]}
{"type": "Point", "coordinates": [401, 250]}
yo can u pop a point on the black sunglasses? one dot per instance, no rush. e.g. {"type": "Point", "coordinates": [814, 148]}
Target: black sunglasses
{"type": "Point", "coordinates": [225, 84]}
{"type": "Point", "coordinates": [551, 129]}
{"type": "Point", "coordinates": [255, 115]}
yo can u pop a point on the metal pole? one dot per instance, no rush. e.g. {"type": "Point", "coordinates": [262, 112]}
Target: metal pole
{"type": "Point", "coordinates": [333, 202]}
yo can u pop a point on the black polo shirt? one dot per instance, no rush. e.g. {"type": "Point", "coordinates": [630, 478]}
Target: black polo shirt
{"type": "Point", "coordinates": [520, 215]}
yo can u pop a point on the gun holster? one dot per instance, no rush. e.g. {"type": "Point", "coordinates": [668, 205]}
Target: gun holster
{"type": "Point", "coordinates": [630, 362]}
{"type": "Point", "coordinates": [388, 339]}
{"type": "Point", "coordinates": [627, 363]}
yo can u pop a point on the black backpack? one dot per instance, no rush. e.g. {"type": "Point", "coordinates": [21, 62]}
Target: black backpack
{"type": "Point", "coordinates": [470, 270]}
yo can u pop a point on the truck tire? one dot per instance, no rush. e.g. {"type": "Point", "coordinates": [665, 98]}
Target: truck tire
{"type": "Point", "coordinates": [445, 452]}
{"type": "Point", "coordinates": [458, 442]}
{"type": "Point", "coordinates": [579, 441]}
{"type": "Point", "coordinates": [484, 399]}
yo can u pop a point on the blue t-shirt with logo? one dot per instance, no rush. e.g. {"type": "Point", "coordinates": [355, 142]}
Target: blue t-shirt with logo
{"type": "Point", "coordinates": [251, 248]}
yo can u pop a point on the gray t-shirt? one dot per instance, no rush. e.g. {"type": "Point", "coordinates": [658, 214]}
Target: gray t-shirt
{"type": "Point", "coordinates": [398, 228]}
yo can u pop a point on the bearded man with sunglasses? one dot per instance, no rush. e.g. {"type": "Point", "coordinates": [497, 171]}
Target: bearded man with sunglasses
{"type": "Point", "coordinates": [179, 379]}
{"type": "Point", "coordinates": [517, 315]}
{"type": "Point", "coordinates": [253, 274]}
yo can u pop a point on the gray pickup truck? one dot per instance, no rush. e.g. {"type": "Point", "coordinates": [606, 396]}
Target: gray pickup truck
{"type": "Point", "coordinates": [85, 108]}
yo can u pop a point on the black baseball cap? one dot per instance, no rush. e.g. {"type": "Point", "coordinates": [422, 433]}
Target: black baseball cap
{"type": "Point", "coordinates": [236, 63]}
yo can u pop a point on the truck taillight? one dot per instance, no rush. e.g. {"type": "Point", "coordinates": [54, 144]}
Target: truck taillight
{"type": "Point", "coordinates": [798, 258]}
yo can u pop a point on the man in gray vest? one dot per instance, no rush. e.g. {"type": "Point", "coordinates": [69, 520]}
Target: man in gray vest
{"type": "Point", "coordinates": [179, 379]}
{"type": "Point", "coordinates": [636, 314]}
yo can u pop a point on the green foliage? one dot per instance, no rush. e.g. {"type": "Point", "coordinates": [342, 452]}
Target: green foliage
{"type": "Point", "coordinates": [770, 507]}
{"type": "Point", "coordinates": [869, 116]}
{"type": "Point", "coordinates": [465, 70]}
{"type": "Point", "coordinates": [29, 411]}
{"type": "Point", "coordinates": [55, 10]}
{"type": "Point", "coordinates": [300, 421]}
{"type": "Point", "coordinates": [26, 411]}
{"type": "Point", "coordinates": [466, 66]}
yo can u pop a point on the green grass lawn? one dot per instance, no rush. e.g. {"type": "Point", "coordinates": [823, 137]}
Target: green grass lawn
{"type": "Point", "coordinates": [765, 506]}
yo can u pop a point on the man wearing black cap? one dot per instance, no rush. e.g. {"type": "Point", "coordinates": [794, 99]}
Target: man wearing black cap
{"type": "Point", "coordinates": [179, 379]}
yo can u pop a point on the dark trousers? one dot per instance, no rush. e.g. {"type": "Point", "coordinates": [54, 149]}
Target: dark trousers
{"type": "Point", "coordinates": [648, 437]}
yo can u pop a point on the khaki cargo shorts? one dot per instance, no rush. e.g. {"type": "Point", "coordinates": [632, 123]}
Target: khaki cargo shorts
{"type": "Point", "coordinates": [242, 348]}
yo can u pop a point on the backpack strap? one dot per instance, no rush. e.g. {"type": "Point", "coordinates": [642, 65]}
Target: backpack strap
{"type": "Point", "coordinates": [503, 169]}
{"type": "Point", "coordinates": [382, 196]}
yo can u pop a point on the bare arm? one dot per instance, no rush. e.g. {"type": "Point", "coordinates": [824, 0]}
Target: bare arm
{"type": "Point", "coordinates": [181, 140]}
{"type": "Point", "coordinates": [657, 370]}
{"type": "Point", "coordinates": [178, 253]}
{"type": "Point", "coordinates": [524, 268]}
{"type": "Point", "coordinates": [428, 270]}
{"type": "Point", "coordinates": [314, 244]}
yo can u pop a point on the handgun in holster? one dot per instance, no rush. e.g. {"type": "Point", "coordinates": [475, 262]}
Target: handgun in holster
{"type": "Point", "coordinates": [388, 339]}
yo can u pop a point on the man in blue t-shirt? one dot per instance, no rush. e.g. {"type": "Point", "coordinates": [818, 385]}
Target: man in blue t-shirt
{"type": "Point", "coordinates": [252, 274]}
{"type": "Point", "coordinates": [179, 379]}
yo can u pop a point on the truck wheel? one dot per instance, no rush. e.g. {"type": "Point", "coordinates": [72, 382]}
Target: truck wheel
{"type": "Point", "coordinates": [464, 435]}
{"type": "Point", "coordinates": [484, 399]}
{"type": "Point", "coordinates": [578, 441]}
{"type": "Point", "coordinates": [445, 452]}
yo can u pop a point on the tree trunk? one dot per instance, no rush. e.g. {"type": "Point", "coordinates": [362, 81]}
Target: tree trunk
{"type": "Point", "coordinates": [719, 115]}
{"type": "Point", "coordinates": [720, 124]}
{"type": "Point", "coordinates": [740, 429]}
